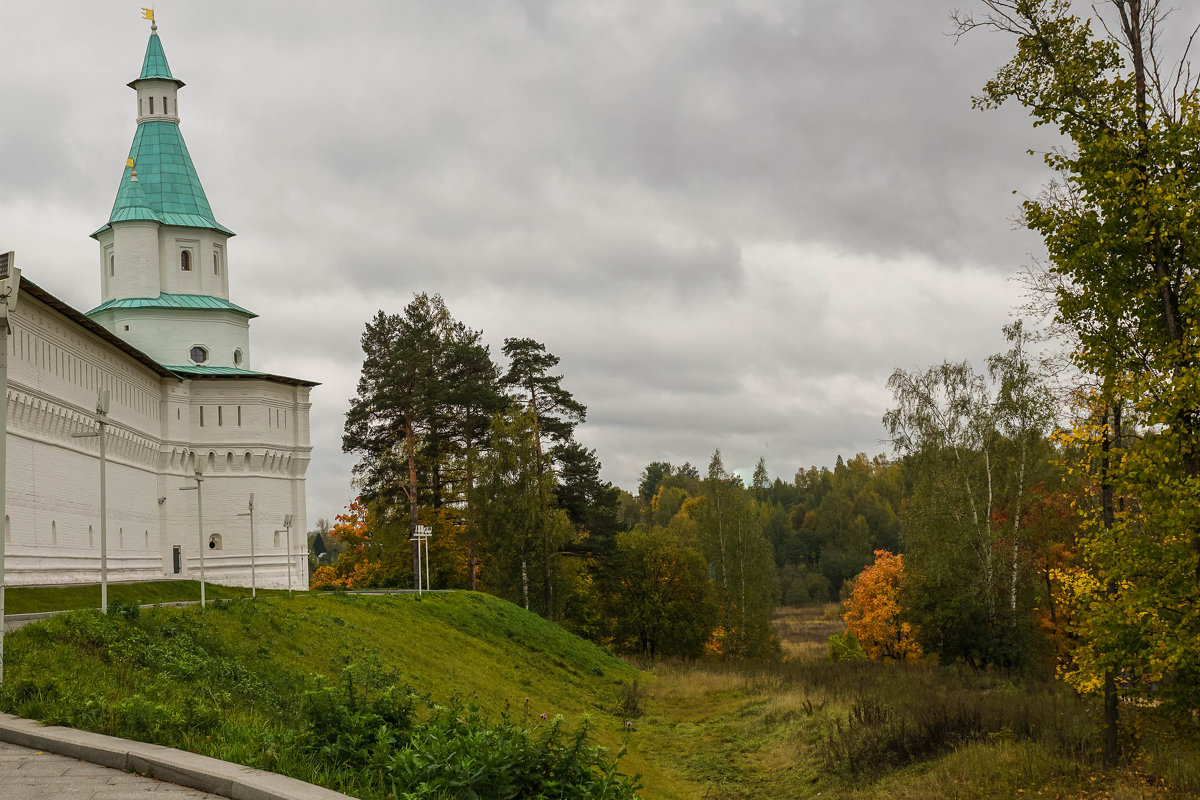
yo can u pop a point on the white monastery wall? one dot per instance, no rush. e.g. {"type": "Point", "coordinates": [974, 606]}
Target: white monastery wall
{"type": "Point", "coordinates": [205, 276]}
{"type": "Point", "coordinates": [168, 336]}
{"type": "Point", "coordinates": [129, 260]}
{"type": "Point", "coordinates": [141, 259]}
{"type": "Point", "coordinates": [247, 433]}
{"type": "Point", "coordinates": [155, 438]}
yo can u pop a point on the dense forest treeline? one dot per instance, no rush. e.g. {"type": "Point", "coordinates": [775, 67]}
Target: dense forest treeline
{"type": "Point", "coordinates": [823, 526]}
{"type": "Point", "coordinates": [485, 456]}
{"type": "Point", "coordinates": [1033, 516]}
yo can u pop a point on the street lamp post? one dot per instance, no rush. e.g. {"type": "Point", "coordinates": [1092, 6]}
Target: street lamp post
{"type": "Point", "coordinates": [198, 477]}
{"type": "Point", "coordinates": [102, 406]}
{"type": "Point", "coordinates": [250, 514]}
{"type": "Point", "coordinates": [10, 286]}
{"type": "Point", "coordinates": [287, 526]}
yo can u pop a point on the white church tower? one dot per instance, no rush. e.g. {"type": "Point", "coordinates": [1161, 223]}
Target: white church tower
{"type": "Point", "coordinates": [172, 354]}
{"type": "Point", "coordinates": [164, 274]}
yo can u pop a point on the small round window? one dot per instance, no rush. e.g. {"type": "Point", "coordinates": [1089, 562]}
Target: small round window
{"type": "Point", "coordinates": [237, 357]}
{"type": "Point", "coordinates": [199, 354]}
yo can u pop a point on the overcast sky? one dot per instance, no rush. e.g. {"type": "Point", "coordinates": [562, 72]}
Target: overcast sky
{"type": "Point", "coordinates": [730, 219]}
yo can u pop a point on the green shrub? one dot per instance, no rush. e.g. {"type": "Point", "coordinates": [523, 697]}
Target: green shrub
{"type": "Point", "coordinates": [456, 752]}
{"type": "Point", "coordinates": [845, 647]}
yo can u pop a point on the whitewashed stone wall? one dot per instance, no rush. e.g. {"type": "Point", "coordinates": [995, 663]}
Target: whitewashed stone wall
{"type": "Point", "coordinates": [52, 530]}
{"type": "Point", "coordinates": [141, 259]}
{"type": "Point", "coordinates": [168, 335]}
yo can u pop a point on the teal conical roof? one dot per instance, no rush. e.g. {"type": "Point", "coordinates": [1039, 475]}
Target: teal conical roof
{"type": "Point", "coordinates": [168, 189]}
{"type": "Point", "coordinates": [134, 204]}
{"type": "Point", "coordinates": [154, 65]}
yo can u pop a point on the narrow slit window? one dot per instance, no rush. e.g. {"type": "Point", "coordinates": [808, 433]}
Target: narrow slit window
{"type": "Point", "coordinates": [201, 416]}
{"type": "Point", "coordinates": [140, 113]}
{"type": "Point", "coordinates": [239, 408]}
{"type": "Point", "coordinates": [220, 417]}
{"type": "Point", "coordinates": [165, 108]}
{"type": "Point", "coordinates": [216, 263]}
{"type": "Point", "coordinates": [112, 266]}
{"type": "Point", "coordinates": [151, 105]}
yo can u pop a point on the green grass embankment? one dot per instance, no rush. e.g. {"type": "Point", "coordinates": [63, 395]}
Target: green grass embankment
{"type": "Point", "coordinates": [232, 681]}
{"type": "Point", "coordinates": [34, 599]}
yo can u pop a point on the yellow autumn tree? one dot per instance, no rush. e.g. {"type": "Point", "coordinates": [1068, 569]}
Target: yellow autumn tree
{"type": "Point", "coordinates": [873, 611]}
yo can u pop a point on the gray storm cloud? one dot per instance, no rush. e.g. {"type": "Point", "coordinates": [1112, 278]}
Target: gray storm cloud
{"type": "Point", "coordinates": [731, 219]}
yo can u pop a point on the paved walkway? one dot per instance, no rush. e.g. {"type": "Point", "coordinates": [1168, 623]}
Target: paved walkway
{"type": "Point", "coordinates": [32, 774]}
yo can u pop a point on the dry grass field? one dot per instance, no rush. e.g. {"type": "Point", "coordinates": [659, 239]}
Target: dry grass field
{"type": "Point", "coordinates": [805, 632]}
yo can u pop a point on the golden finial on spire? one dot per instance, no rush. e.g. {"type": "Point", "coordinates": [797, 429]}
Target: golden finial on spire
{"type": "Point", "coordinates": [148, 13]}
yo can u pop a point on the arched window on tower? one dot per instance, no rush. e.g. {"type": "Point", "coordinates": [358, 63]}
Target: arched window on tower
{"type": "Point", "coordinates": [185, 260]}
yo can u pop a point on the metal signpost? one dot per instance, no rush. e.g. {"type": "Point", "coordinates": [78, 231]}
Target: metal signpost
{"type": "Point", "coordinates": [199, 479]}
{"type": "Point", "coordinates": [102, 405]}
{"type": "Point", "coordinates": [423, 532]}
{"type": "Point", "coordinates": [10, 285]}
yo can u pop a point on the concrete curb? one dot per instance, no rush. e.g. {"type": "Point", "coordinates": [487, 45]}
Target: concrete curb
{"type": "Point", "coordinates": [164, 763]}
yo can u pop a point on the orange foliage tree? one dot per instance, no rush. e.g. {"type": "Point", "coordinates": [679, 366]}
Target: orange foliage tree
{"type": "Point", "coordinates": [873, 611]}
{"type": "Point", "coordinates": [357, 565]}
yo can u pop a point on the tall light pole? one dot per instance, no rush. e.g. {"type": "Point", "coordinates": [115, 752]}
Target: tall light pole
{"type": "Point", "coordinates": [199, 479]}
{"type": "Point", "coordinates": [287, 526]}
{"type": "Point", "coordinates": [253, 584]}
{"type": "Point", "coordinates": [102, 406]}
{"type": "Point", "coordinates": [10, 286]}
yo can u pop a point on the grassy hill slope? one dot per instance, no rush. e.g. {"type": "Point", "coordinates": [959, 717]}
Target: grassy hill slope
{"type": "Point", "coordinates": [32, 599]}
{"type": "Point", "coordinates": [230, 681]}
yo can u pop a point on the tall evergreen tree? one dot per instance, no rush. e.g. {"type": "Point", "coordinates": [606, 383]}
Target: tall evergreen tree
{"type": "Point", "coordinates": [554, 413]}
{"type": "Point", "coordinates": [425, 397]}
